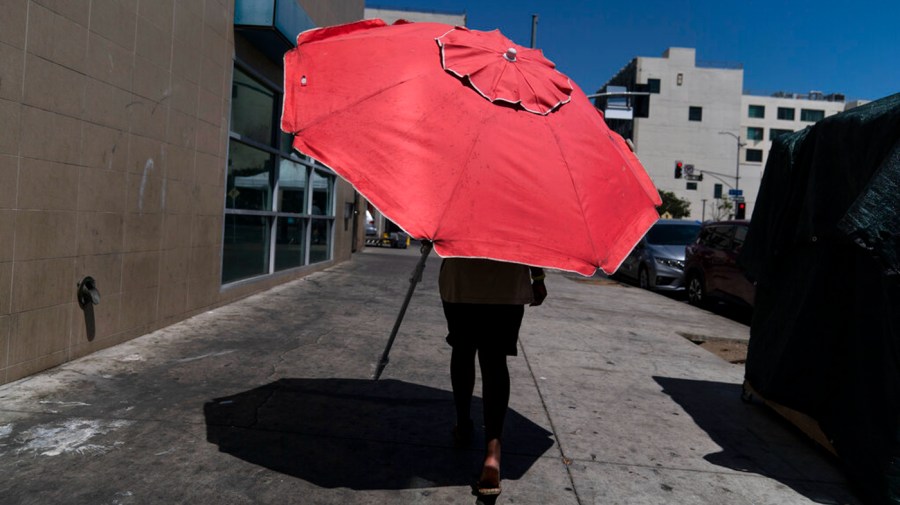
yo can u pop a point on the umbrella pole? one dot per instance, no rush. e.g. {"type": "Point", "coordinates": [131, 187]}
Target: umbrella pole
{"type": "Point", "coordinates": [427, 245]}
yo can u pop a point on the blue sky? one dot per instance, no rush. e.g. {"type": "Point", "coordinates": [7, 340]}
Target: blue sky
{"type": "Point", "coordinates": [796, 45]}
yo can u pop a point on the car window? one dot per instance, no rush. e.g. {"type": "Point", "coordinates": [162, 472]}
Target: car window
{"type": "Point", "coordinates": [672, 234]}
{"type": "Point", "coordinates": [740, 234]}
{"type": "Point", "coordinates": [703, 237]}
{"type": "Point", "coordinates": [719, 237]}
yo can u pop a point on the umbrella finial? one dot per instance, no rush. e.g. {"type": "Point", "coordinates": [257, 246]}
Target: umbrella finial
{"type": "Point", "coordinates": [510, 54]}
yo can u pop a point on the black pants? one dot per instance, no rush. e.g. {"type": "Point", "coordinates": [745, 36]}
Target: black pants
{"type": "Point", "coordinates": [493, 327]}
{"type": "Point", "coordinates": [491, 332]}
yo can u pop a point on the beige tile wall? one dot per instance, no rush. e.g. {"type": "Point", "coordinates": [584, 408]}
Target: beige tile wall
{"type": "Point", "coordinates": [112, 165]}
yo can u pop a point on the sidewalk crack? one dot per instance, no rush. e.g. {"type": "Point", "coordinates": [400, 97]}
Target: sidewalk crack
{"type": "Point", "coordinates": [562, 456]}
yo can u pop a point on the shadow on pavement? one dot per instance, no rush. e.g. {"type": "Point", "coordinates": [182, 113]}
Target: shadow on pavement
{"type": "Point", "coordinates": [736, 312]}
{"type": "Point", "coordinates": [361, 434]}
{"type": "Point", "coordinates": [756, 440]}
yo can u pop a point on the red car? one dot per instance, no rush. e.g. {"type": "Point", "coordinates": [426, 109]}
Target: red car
{"type": "Point", "coordinates": [710, 264]}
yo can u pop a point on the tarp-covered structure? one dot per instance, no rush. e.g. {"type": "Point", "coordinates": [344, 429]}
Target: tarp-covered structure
{"type": "Point", "coordinates": [824, 247]}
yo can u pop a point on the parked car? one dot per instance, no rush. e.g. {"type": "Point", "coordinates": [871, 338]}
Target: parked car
{"type": "Point", "coordinates": [657, 261]}
{"type": "Point", "coordinates": [371, 229]}
{"type": "Point", "coordinates": [392, 235]}
{"type": "Point", "coordinates": [711, 269]}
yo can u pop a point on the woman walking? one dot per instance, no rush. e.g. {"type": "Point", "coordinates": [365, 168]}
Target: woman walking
{"type": "Point", "coordinates": [484, 302]}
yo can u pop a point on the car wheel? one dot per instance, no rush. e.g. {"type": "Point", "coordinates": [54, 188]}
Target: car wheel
{"type": "Point", "coordinates": [644, 278]}
{"type": "Point", "coordinates": [695, 290]}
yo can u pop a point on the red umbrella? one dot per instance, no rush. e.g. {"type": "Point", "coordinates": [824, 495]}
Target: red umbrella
{"type": "Point", "coordinates": [469, 141]}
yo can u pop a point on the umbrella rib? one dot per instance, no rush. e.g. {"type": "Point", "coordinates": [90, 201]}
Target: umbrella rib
{"type": "Point", "coordinates": [456, 184]}
{"type": "Point", "coordinates": [534, 92]}
{"type": "Point", "coordinates": [587, 228]}
{"type": "Point", "coordinates": [352, 105]}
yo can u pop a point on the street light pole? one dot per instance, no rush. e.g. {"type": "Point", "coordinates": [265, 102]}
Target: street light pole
{"type": "Point", "coordinates": [737, 161]}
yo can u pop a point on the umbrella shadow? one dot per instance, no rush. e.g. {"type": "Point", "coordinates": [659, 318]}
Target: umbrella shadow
{"type": "Point", "coordinates": [361, 434]}
{"type": "Point", "coordinates": [754, 439]}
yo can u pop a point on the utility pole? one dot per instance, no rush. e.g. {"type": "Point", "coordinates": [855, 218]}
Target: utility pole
{"type": "Point", "coordinates": [534, 19]}
{"type": "Point", "coordinates": [737, 166]}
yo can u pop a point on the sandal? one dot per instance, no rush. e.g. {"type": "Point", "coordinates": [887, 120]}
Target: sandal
{"type": "Point", "coordinates": [481, 490]}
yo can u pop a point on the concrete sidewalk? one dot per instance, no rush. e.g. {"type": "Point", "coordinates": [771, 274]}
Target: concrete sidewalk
{"type": "Point", "coordinates": [270, 400]}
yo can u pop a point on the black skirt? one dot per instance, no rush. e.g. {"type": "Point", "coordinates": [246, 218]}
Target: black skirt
{"type": "Point", "coordinates": [492, 327]}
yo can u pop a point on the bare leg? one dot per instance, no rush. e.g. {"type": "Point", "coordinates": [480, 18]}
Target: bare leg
{"type": "Point", "coordinates": [490, 468]}
{"type": "Point", "coordinates": [495, 377]}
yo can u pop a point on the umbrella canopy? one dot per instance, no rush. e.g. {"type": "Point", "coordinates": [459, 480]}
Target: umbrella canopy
{"type": "Point", "coordinates": [465, 139]}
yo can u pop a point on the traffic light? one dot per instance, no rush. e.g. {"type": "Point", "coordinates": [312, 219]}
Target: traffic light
{"type": "Point", "coordinates": [678, 168]}
{"type": "Point", "coordinates": [741, 211]}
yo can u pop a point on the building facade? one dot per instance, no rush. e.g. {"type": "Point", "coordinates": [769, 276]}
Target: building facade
{"type": "Point", "coordinates": [696, 113]}
{"type": "Point", "coordinates": [389, 16]}
{"type": "Point", "coordinates": [763, 118]}
{"type": "Point", "coordinates": [141, 149]}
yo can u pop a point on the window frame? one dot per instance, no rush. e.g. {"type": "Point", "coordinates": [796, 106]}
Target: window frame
{"type": "Point", "coordinates": [692, 109]}
{"type": "Point", "coordinates": [272, 211]}
{"type": "Point", "coordinates": [758, 133]}
{"type": "Point", "coordinates": [761, 108]}
{"type": "Point", "coordinates": [747, 155]}
{"type": "Point", "coordinates": [774, 133]}
{"type": "Point", "coordinates": [786, 113]}
{"type": "Point", "coordinates": [819, 113]}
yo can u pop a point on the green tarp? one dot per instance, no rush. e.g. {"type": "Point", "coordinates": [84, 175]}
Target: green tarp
{"type": "Point", "coordinates": [824, 248]}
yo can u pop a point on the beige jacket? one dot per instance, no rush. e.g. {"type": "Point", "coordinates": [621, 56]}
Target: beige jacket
{"type": "Point", "coordinates": [468, 280]}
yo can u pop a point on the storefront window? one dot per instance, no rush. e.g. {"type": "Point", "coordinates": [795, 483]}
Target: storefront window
{"type": "Point", "coordinates": [279, 204]}
{"type": "Point", "coordinates": [287, 144]}
{"type": "Point", "coordinates": [289, 250]}
{"type": "Point", "coordinates": [292, 187]}
{"type": "Point", "coordinates": [320, 241]}
{"type": "Point", "coordinates": [322, 186]}
{"type": "Point", "coordinates": [249, 176]}
{"type": "Point", "coordinates": [252, 106]}
{"type": "Point", "coordinates": [245, 248]}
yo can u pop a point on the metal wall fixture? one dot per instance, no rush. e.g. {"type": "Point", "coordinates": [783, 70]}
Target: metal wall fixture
{"type": "Point", "coordinates": [87, 292]}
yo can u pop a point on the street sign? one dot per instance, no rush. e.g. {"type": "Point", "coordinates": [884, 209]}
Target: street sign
{"type": "Point", "coordinates": [738, 199]}
{"type": "Point", "coordinates": [735, 192]}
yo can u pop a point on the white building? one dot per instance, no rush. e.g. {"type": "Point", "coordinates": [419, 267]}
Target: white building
{"type": "Point", "coordinates": [696, 113]}
{"type": "Point", "coordinates": [391, 15]}
{"type": "Point", "coordinates": [765, 117]}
